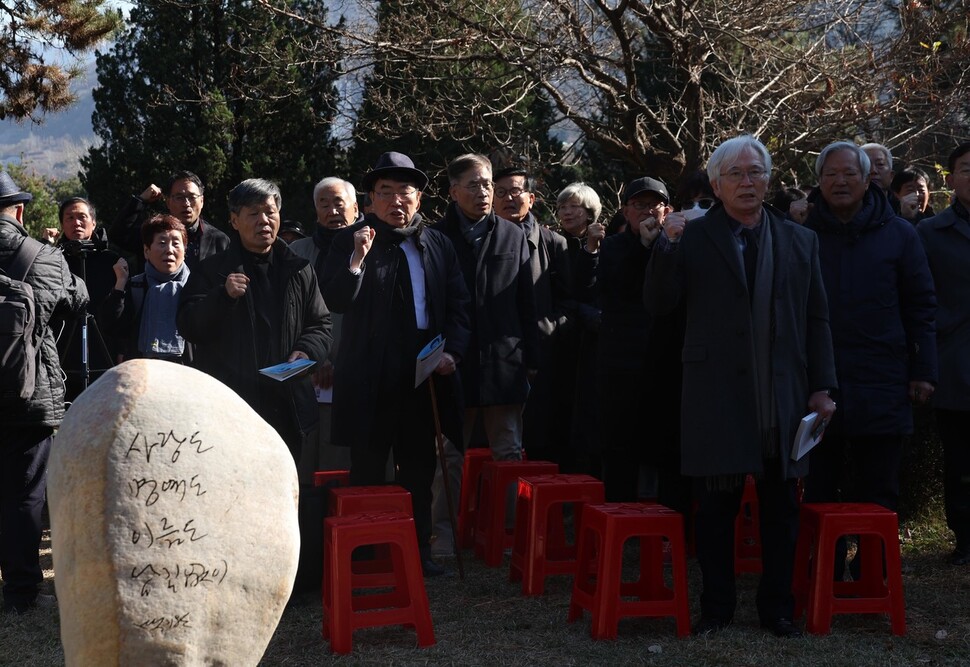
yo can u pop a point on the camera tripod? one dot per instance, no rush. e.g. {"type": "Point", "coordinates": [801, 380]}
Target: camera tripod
{"type": "Point", "coordinates": [88, 325]}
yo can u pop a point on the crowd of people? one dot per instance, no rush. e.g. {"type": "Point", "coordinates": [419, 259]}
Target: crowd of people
{"type": "Point", "coordinates": [718, 318]}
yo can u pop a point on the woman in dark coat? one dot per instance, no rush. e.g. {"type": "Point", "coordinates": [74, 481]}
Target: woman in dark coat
{"type": "Point", "coordinates": [140, 313]}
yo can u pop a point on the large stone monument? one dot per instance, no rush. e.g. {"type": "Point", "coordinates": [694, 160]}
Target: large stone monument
{"type": "Point", "coordinates": [173, 522]}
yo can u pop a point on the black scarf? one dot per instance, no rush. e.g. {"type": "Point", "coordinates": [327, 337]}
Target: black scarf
{"type": "Point", "coordinates": [397, 369]}
{"type": "Point", "coordinates": [390, 234]}
{"type": "Point", "coordinates": [266, 292]}
{"type": "Point", "coordinates": [323, 239]}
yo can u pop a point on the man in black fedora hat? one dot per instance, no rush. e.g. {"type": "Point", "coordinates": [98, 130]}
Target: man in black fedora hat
{"type": "Point", "coordinates": [29, 423]}
{"type": "Point", "coordinates": [399, 286]}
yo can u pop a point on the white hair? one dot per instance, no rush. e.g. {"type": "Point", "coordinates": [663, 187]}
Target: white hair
{"type": "Point", "coordinates": [860, 153]}
{"type": "Point", "coordinates": [729, 151]}
{"type": "Point", "coordinates": [331, 181]}
{"type": "Point", "coordinates": [882, 149]}
{"type": "Point", "coordinates": [587, 197]}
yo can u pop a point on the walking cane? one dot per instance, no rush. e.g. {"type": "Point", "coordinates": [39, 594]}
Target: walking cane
{"type": "Point", "coordinates": [440, 442]}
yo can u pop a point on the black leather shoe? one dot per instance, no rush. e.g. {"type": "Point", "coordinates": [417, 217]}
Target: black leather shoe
{"type": "Point", "coordinates": [708, 626]}
{"type": "Point", "coordinates": [432, 569]}
{"type": "Point", "coordinates": [782, 627]}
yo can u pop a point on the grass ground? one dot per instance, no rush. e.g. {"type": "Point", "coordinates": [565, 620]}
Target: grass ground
{"type": "Point", "coordinates": [483, 620]}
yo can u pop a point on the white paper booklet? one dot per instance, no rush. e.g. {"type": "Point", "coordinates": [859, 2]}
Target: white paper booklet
{"type": "Point", "coordinates": [288, 369]}
{"type": "Point", "coordinates": [428, 359]}
{"type": "Point", "coordinates": [809, 433]}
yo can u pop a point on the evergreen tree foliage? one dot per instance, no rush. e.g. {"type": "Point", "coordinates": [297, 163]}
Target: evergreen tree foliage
{"type": "Point", "coordinates": [34, 38]}
{"type": "Point", "coordinates": [434, 109]}
{"type": "Point", "coordinates": [41, 211]}
{"type": "Point", "coordinates": [219, 88]}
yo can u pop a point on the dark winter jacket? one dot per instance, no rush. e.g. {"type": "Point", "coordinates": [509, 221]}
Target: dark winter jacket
{"type": "Point", "coordinates": [96, 269]}
{"type": "Point", "coordinates": [224, 333]}
{"type": "Point", "coordinates": [625, 324]}
{"type": "Point", "coordinates": [59, 297]}
{"type": "Point", "coordinates": [120, 317]}
{"type": "Point", "coordinates": [946, 238]}
{"type": "Point", "coordinates": [364, 300]}
{"type": "Point", "coordinates": [505, 337]}
{"type": "Point", "coordinates": [882, 309]}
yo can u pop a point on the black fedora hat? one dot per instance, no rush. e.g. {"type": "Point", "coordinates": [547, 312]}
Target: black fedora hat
{"type": "Point", "coordinates": [10, 193]}
{"type": "Point", "coordinates": [391, 163]}
{"type": "Point", "coordinates": [645, 184]}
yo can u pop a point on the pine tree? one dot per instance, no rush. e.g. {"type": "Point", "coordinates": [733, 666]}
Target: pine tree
{"type": "Point", "coordinates": [221, 89]}
{"type": "Point", "coordinates": [35, 78]}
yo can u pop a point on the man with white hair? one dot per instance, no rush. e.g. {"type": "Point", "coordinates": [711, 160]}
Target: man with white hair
{"type": "Point", "coordinates": [880, 165]}
{"type": "Point", "coordinates": [335, 201]}
{"type": "Point", "coordinates": [757, 356]}
{"type": "Point", "coordinates": [883, 306]}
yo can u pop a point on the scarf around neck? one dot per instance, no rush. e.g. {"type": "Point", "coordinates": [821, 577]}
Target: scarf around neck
{"type": "Point", "coordinates": [395, 235]}
{"type": "Point", "coordinates": [762, 318]}
{"type": "Point", "coordinates": [157, 334]}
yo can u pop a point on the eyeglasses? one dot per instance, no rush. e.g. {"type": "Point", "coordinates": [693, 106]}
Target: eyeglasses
{"type": "Point", "coordinates": [646, 206]}
{"type": "Point", "coordinates": [738, 175]}
{"type": "Point", "coordinates": [188, 198]}
{"type": "Point", "coordinates": [389, 196]}
{"type": "Point", "coordinates": [502, 193]}
{"type": "Point", "coordinates": [478, 186]}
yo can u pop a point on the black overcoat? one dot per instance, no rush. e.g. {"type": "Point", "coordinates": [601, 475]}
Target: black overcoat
{"type": "Point", "coordinates": [720, 432]}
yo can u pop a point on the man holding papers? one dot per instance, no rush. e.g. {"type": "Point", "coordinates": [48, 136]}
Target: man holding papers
{"type": "Point", "coordinates": [757, 357]}
{"type": "Point", "coordinates": [398, 286]}
{"type": "Point", "coordinates": [256, 304]}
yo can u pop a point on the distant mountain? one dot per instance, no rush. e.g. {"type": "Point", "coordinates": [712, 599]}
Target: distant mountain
{"type": "Point", "coordinates": [53, 148]}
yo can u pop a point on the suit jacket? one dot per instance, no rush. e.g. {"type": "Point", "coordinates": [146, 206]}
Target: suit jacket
{"type": "Point", "coordinates": [505, 334]}
{"type": "Point", "coordinates": [946, 239]}
{"type": "Point", "coordinates": [364, 301]}
{"type": "Point", "coordinates": [719, 413]}
{"type": "Point", "coordinates": [225, 334]}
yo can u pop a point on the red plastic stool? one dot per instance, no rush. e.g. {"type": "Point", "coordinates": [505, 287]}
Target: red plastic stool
{"type": "Point", "coordinates": [813, 586]}
{"type": "Point", "coordinates": [407, 602]}
{"type": "Point", "coordinates": [491, 535]}
{"type": "Point", "coordinates": [380, 497]}
{"type": "Point", "coordinates": [606, 527]}
{"type": "Point", "coordinates": [747, 531]}
{"type": "Point", "coordinates": [331, 478]}
{"type": "Point", "coordinates": [347, 500]}
{"type": "Point", "coordinates": [471, 474]}
{"type": "Point", "coordinates": [539, 546]}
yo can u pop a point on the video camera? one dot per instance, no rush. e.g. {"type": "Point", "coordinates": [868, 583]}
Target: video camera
{"type": "Point", "coordinates": [81, 248]}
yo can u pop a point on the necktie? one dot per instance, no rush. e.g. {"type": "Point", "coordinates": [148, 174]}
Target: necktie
{"type": "Point", "coordinates": [750, 254]}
